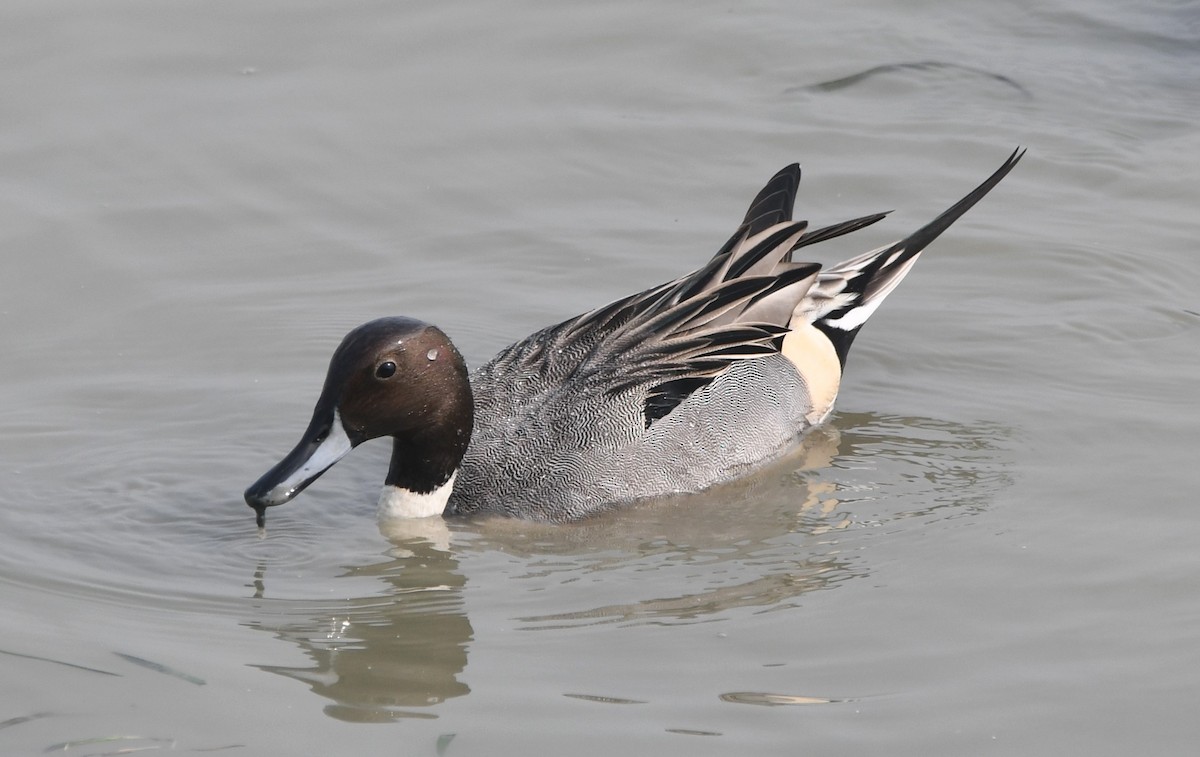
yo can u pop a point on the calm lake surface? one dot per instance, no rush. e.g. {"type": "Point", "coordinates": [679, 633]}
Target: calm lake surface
{"type": "Point", "coordinates": [990, 548]}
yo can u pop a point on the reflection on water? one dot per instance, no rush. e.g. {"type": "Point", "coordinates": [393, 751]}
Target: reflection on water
{"type": "Point", "coordinates": [756, 545]}
{"type": "Point", "coordinates": [773, 590]}
{"type": "Point", "coordinates": [377, 657]}
{"type": "Point", "coordinates": [772, 700]}
{"type": "Point", "coordinates": [922, 466]}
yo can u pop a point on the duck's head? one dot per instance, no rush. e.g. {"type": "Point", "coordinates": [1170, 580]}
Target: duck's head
{"type": "Point", "coordinates": [394, 377]}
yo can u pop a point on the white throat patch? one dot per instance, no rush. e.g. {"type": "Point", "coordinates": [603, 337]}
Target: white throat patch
{"type": "Point", "coordinates": [395, 502]}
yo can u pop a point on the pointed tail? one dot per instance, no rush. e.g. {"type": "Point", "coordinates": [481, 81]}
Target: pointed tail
{"type": "Point", "coordinates": [846, 294]}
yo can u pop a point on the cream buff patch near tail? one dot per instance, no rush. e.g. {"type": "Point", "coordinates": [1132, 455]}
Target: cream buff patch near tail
{"type": "Point", "coordinates": [817, 363]}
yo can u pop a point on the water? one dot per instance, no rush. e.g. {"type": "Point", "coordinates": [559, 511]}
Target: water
{"type": "Point", "coordinates": [989, 550]}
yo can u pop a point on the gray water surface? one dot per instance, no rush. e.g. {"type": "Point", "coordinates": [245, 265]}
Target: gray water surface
{"type": "Point", "coordinates": [990, 548]}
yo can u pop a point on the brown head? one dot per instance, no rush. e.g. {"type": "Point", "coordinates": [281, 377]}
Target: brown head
{"type": "Point", "coordinates": [396, 377]}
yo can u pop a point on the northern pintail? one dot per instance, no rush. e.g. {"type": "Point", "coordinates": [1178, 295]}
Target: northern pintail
{"type": "Point", "coordinates": [671, 390]}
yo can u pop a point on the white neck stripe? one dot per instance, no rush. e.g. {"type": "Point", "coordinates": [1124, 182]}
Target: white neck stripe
{"type": "Point", "coordinates": [395, 502]}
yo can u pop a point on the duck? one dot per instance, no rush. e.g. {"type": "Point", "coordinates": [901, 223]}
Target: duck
{"type": "Point", "coordinates": [672, 390]}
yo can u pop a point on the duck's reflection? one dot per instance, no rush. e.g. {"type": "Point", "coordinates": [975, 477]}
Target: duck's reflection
{"type": "Point", "coordinates": [377, 658]}
{"type": "Point", "coordinates": [761, 543]}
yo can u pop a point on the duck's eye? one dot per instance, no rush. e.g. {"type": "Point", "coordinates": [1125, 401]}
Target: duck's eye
{"type": "Point", "coordinates": [385, 370]}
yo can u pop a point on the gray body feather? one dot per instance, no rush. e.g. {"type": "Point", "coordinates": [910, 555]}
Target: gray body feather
{"type": "Point", "coordinates": [568, 468]}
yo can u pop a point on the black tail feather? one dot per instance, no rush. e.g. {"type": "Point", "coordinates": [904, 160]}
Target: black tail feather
{"type": "Point", "coordinates": [775, 202]}
{"type": "Point", "coordinates": [874, 277]}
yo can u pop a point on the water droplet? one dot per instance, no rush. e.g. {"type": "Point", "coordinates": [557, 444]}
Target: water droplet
{"type": "Point", "coordinates": [432, 354]}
